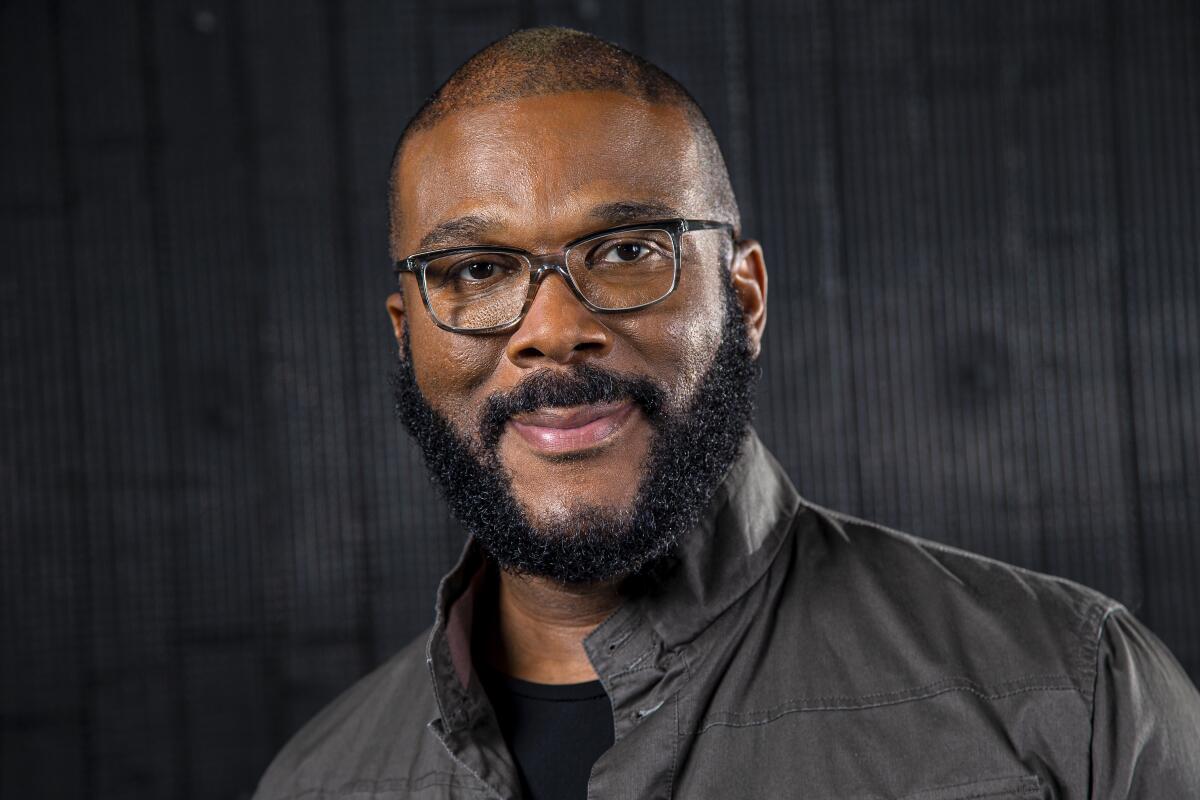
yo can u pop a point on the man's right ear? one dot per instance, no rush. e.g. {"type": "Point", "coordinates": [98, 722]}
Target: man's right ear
{"type": "Point", "coordinates": [395, 307]}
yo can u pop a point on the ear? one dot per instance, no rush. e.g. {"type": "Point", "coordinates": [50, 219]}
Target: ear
{"type": "Point", "coordinates": [748, 275]}
{"type": "Point", "coordinates": [395, 307]}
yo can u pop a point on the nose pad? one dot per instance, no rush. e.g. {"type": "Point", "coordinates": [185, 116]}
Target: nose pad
{"type": "Point", "coordinates": [540, 271]}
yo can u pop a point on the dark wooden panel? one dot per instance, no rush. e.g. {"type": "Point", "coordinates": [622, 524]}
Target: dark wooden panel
{"type": "Point", "coordinates": [45, 721]}
{"type": "Point", "coordinates": [312, 534]}
{"type": "Point", "coordinates": [1068, 197]}
{"type": "Point", "coordinates": [232, 740]}
{"type": "Point", "coordinates": [43, 756]}
{"type": "Point", "coordinates": [225, 472]}
{"type": "Point", "coordinates": [1156, 83]}
{"type": "Point", "coordinates": [806, 404]}
{"type": "Point", "coordinates": [214, 302]}
{"type": "Point", "coordinates": [123, 447]}
{"type": "Point", "coordinates": [302, 327]}
{"type": "Point", "coordinates": [618, 22]}
{"type": "Point", "coordinates": [987, 357]}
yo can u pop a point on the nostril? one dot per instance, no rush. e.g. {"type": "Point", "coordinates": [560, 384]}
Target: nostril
{"type": "Point", "coordinates": [585, 347]}
{"type": "Point", "coordinates": [530, 352]}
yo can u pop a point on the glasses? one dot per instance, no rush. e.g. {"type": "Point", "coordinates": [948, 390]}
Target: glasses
{"type": "Point", "coordinates": [490, 289]}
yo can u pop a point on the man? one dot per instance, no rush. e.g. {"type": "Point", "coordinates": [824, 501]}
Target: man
{"type": "Point", "coordinates": [645, 607]}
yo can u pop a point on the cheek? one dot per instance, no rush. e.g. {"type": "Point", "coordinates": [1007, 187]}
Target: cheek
{"type": "Point", "coordinates": [678, 342]}
{"type": "Point", "coordinates": [698, 337]}
{"type": "Point", "coordinates": [451, 370]}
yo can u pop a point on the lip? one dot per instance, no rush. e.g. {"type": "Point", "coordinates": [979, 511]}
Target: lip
{"type": "Point", "coordinates": [555, 431]}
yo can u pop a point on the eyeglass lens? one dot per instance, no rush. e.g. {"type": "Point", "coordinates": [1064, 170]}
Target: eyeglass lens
{"type": "Point", "coordinates": [613, 271]}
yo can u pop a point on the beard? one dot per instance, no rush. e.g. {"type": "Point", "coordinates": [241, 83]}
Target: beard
{"type": "Point", "coordinates": [689, 454]}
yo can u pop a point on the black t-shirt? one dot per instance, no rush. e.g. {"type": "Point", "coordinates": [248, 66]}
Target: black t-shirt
{"type": "Point", "coordinates": [555, 732]}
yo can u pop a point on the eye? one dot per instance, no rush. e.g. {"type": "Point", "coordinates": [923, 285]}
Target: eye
{"type": "Point", "coordinates": [626, 252]}
{"type": "Point", "coordinates": [476, 271]}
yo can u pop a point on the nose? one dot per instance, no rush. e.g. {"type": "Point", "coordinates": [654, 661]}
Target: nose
{"type": "Point", "coordinates": [557, 328]}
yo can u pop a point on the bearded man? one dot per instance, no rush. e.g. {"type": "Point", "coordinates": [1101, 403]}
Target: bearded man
{"type": "Point", "coordinates": [645, 606]}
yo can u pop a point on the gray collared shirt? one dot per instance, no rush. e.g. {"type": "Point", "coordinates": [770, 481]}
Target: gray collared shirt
{"type": "Point", "coordinates": [795, 652]}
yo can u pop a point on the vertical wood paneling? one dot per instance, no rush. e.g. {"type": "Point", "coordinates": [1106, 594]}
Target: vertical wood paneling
{"type": "Point", "coordinates": [312, 542]}
{"type": "Point", "coordinates": [44, 619]}
{"type": "Point", "coordinates": [985, 339]}
{"type": "Point", "coordinates": [1156, 86]}
{"type": "Point", "coordinates": [225, 474]}
{"type": "Point", "coordinates": [807, 385]}
{"type": "Point", "coordinates": [124, 448]}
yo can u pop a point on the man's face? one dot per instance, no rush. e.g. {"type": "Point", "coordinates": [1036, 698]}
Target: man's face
{"type": "Point", "coordinates": [536, 173]}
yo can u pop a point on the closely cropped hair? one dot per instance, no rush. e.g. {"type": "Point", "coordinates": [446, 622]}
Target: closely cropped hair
{"type": "Point", "coordinates": [541, 61]}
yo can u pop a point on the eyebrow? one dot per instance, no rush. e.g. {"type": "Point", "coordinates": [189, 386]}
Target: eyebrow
{"type": "Point", "coordinates": [469, 228]}
{"type": "Point", "coordinates": [624, 211]}
{"type": "Point", "coordinates": [473, 228]}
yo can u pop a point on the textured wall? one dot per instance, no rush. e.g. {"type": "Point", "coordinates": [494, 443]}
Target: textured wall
{"type": "Point", "coordinates": [982, 224]}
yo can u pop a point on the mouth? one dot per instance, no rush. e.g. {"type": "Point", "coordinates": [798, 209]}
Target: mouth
{"type": "Point", "coordinates": [560, 431]}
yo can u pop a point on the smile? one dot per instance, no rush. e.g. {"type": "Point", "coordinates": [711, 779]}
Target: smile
{"type": "Point", "coordinates": [556, 431]}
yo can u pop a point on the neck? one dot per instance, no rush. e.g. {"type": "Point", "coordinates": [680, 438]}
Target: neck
{"type": "Point", "coordinates": [539, 626]}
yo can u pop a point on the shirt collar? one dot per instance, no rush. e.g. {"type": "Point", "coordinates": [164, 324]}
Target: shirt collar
{"type": "Point", "coordinates": [729, 550]}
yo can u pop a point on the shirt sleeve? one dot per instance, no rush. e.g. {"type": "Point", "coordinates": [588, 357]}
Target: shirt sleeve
{"type": "Point", "coordinates": [1145, 719]}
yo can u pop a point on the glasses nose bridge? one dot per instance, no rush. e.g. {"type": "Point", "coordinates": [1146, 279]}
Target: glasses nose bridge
{"type": "Point", "coordinates": [544, 264]}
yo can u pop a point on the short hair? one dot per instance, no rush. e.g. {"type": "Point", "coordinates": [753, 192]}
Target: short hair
{"type": "Point", "coordinates": [550, 60]}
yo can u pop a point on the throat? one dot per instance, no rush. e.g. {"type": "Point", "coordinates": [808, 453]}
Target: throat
{"type": "Point", "coordinates": [534, 628]}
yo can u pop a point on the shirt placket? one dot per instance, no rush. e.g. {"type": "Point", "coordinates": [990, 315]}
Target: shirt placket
{"type": "Point", "coordinates": [643, 679]}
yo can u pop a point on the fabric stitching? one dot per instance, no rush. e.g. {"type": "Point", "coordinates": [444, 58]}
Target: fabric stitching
{"type": "Point", "coordinates": [801, 706]}
{"type": "Point", "coordinates": [490, 789]}
{"type": "Point", "coordinates": [916, 692]}
{"type": "Point", "coordinates": [929, 544]}
{"type": "Point", "coordinates": [354, 788]}
{"type": "Point", "coordinates": [624, 629]}
{"type": "Point", "coordinates": [1092, 699]}
{"type": "Point", "coordinates": [674, 750]}
{"type": "Point", "coordinates": [1025, 784]}
{"type": "Point", "coordinates": [1087, 606]}
{"type": "Point", "coordinates": [633, 665]}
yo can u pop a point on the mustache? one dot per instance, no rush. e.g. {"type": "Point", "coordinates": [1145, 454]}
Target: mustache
{"type": "Point", "coordinates": [581, 384]}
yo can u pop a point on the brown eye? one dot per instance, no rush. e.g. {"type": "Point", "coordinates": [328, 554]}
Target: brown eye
{"type": "Point", "coordinates": [626, 252]}
{"type": "Point", "coordinates": [479, 271]}
{"type": "Point", "coordinates": [629, 252]}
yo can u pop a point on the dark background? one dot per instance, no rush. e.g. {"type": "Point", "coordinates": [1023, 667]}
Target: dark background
{"type": "Point", "coordinates": [981, 220]}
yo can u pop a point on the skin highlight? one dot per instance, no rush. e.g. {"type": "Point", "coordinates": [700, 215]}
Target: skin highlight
{"type": "Point", "coordinates": [535, 173]}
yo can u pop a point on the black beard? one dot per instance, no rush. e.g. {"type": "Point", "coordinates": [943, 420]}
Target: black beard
{"type": "Point", "coordinates": [688, 457]}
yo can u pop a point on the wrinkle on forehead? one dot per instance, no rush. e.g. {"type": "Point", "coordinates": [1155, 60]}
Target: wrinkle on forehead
{"type": "Point", "coordinates": [539, 164]}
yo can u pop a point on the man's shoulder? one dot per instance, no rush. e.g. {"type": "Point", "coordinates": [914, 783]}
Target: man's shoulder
{"type": "Point", "coordinates": [359, 733]}
{"type": "Point", "coordinates": [958, 571]}
{"type": "Point", "coordinates": [940, 610]}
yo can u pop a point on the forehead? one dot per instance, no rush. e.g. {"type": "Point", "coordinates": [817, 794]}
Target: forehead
{"type": "Point", "coordinates": [536, 166]}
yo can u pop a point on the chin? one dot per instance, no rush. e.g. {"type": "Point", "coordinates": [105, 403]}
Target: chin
{"type": "Point", "coordinates": [566, 513]}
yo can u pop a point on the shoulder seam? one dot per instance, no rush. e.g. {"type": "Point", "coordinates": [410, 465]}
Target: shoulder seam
{"type": "Point", "coordinates": [1089, 607]}
{"type": "Point", "coordinates": [838, 517]}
